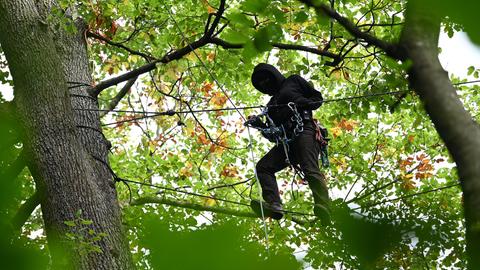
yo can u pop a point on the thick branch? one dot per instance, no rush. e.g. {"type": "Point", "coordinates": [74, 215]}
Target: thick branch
{"type": "Point", "coordinates": [305, 49]}
{"type": "Point", "coordinates": [147, 67]}
{"type": "Point", "coordinates": [336, 58]}
{"type": "Point", "coordinates": [124, 77]}
{"type": "Point", "coordinates": [215, 22]}
{"type": "Point", "coordinates": [391, 49]}
{"type": "Point", "coordinates": [114, 102]}
{"type": "Point", "coordinates": [25, 210]}
{"type": "Point", "coordinates": [193, 206]}
{"type": "Point", "coordinates": [199, 207]}
{"type": "Point", "coordinates": [453, 122]}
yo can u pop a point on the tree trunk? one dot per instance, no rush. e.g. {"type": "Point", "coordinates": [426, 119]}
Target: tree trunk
{"type": "Point", "coordinates": [454, 124]}
{"type": "Point", "coordinates": [63, 145]}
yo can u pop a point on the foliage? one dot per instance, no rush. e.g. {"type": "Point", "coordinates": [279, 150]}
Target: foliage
{"type": "Point", "coordinates": [17, 249]}
{"type": "Point", "coordinates": [83, 238]}
{"type": "Point", "coordinates": [382, 147]}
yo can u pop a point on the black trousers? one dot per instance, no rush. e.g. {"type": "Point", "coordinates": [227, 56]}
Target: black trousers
{"type": "Point", "coordinates": [304, 151]}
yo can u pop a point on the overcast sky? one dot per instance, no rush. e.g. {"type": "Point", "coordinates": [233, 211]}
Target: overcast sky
{"type": "Point", "coordinates": [458, 53]}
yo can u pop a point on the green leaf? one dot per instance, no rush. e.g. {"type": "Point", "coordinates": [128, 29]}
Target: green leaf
{"type": "Point", "coordinates": [471, 69]}
{"type": "Point", "coordinates": [70, 223]}
{"type": "Point", "coordinates": [86, 222]}
{"type": "Point", "coordinates": [301, 17]}
{"type": "Point", "coordinates": [235, 37]}
{"type": "Point", "coordinates": [255, 6]}
{"type": "Point", "coordinates": [241, 19]}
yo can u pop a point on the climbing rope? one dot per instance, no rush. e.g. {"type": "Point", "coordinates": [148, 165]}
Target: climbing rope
{"type": "Point", "coordinates": [235, 108]}
{"type": "Point", "coordinates": [153, 114]}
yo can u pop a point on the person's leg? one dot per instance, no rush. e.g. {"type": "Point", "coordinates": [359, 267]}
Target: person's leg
{"type": "Point", "coordinates": [306, 151]}
{"type": "Point", "coordinates": [268, 165]}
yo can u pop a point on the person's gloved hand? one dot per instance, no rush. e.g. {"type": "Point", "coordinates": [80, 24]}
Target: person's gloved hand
{"type": "Point", "coordinates": [255, 121]}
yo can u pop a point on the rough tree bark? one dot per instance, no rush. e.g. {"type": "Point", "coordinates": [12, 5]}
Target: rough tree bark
{"type": "Point", "coordinates": [67, 153]}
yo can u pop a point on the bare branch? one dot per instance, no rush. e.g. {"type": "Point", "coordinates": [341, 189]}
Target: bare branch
{"type": "Point", "coordinates": [114, 102]}
{"type": "Point", "coordinates": [393, 50]}
{"type": "Point", "coordinates": [120, 45]}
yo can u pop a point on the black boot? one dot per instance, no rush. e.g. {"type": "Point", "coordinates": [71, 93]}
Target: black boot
{"type": "Point", "coordinates": [273, 210]}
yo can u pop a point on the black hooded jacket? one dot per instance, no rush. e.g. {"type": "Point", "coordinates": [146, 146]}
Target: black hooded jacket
{"type": "Point", "coordinates": [284, 90]}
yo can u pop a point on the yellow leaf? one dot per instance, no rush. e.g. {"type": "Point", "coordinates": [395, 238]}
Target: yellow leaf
{"type": "Point", "coordinates": [209, 202]}
{"type": "Point", "coordinates": [336, 131]}
{"type": "Point", "coordinates": [191, 56]}
{"type": "Point", "coordinates": [186, 171]}
{"type": "Point", "coordinates": [336, 73]}
{"type": "Point", "coordinates": [348, 125]}
{"type": "Point", "coordinates": [211, 56]}
{"type": "Point", "coordinates": [202, 139]}
{"type": "Point", "coordinates": [408, 185]}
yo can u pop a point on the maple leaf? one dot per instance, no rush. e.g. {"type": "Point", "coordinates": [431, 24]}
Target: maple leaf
{"type": "Point", "coordinates": [206, 88]}
{"type": "Point", "coordinates": [229, 171]}
{"type": "Point", "coordinates": [218, 100]}
{"type": "Point", "coordinates": [347, 125]}
{"type": "Point", "coordinates": [202, 139]}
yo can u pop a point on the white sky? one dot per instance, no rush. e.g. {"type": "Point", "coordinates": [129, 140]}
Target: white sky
{"type": "Point", "coordinates": [458, 53]}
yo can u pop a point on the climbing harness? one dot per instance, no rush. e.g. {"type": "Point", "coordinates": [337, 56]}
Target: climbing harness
{"type": "Point", "coordinates": [296, 118]}
{"type": "Point", "coordinates": [280, 135]}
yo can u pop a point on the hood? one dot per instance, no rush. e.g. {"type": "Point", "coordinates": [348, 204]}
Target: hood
{"type": "Point", "coordinates": [267, 79]}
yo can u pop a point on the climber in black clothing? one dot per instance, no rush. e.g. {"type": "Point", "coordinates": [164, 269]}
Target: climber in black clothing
{"type": "Point", "coordinates": [303, 147]}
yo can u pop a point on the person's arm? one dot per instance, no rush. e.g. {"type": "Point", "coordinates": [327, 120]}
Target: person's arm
{"type": "Point", "coordinates": [303, 94]}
